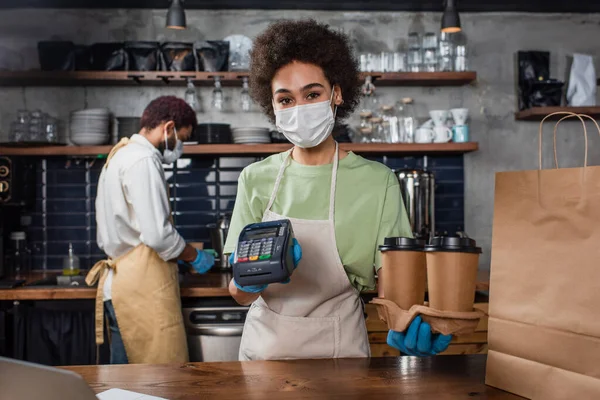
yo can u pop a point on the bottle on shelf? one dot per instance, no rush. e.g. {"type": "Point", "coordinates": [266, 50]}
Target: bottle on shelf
{"type": "Point", "coordinates": [407, 120]}
{"type": "Point", "coordinates": [391, 125]}
{"type": "Point", "coordinates": [19, 256]}
{"type": "Point", "coordinates": [71, 265]}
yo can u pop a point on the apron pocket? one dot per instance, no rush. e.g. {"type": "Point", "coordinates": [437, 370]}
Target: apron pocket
{"type": "Point", "coordinates": [271, 336]}
{"type": "Point", "coordinates": [167, 305]}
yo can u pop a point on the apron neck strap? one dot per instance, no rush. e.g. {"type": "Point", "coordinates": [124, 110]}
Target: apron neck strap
{"type": "Point", "coordinates": [122, 143]}
{"type": "Point", "coordinates": [284, 165]}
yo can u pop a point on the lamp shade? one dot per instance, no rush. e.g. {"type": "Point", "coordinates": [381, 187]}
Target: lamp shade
{"type": "Point", "coordinates": [450, 18]}
{"type": "Point", "coordinates": [176, 16]}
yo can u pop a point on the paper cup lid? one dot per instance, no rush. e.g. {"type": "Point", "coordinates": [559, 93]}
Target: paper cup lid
{"type": "Point", "coordinates": [402, 243]}
{"type": "Point", "coordinates": [453, 244]}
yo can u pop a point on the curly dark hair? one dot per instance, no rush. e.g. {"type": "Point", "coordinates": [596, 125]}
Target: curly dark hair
{"type": "Point", "coordinates": [309, 42]}
{"type": "Point", "coordinates": [168, 108]}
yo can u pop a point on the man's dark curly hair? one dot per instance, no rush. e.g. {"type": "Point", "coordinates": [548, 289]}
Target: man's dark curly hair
{"type": "Point", "coordinates": [309, 42]}
{"type": "Point", "coordinates": [168, 108]}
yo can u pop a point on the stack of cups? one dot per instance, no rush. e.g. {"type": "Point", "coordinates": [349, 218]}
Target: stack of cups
{"type": "Point", "coordinates": [452, 264]}
{"type": "Point", "coordinates": [404, 271]}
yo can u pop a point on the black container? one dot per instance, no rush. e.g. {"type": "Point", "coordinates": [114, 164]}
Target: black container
{"type": "Point", "coordinates": [143, 56]}
{"type": "Point", "coordinates": [453, 244]}
{"type": "Point", "coordinates": [56, 55]}
{"type": "Point", "coordinates": [83, 58]}
{"type": "Point", "coordinates": [547, 93]}
{"type": "Point", "coordinates": [108, 57]}
{"type": "Point", "coordinates": [213, 133]}
{"type": "Point", "coordinates": [178, 56]}
{"type": "Point", "coordinates": [533, 65]}
{"type": "Point", "coordinates": [212, 55]}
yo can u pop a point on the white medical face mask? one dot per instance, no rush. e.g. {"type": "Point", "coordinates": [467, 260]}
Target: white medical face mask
{"type": "Point", "coordinates": [306, 125]}
{"type": "Point", "coordinates": [170, 156]}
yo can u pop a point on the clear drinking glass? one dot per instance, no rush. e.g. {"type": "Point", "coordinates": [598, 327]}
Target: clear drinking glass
{"type": "Point", "coordinates": [414, 40]}
{"type": "Point", "coordinates": [399, 62]}
{"type": "Point", "coordinates": [430, 41]}
{"type": "Point", "coordinates": [23, 117]}
{"type": "Point", "coordinates": [408, 120]}
{"type": "Point", "coordinates": [460, 52]}
{"type": "Point", "coordinates": [446, 52]}
{"type": "Point", "coordinates": [364, 62]}
{"type": "Point", "coordinates": [415, 60]}
{"type": "Point", "coordinates": [36, 130]}
{"type": "Point", "coordinates": [430, 60]}
{"type": "Point", "coordinates": [245, 99]}
{"type": "Point", "coordinates": [387, 62]}
{"type": "Point", "coordinates": [51, 130]}
{"type": "Point", "coordinates": [18, 132]}
{"type": "Point", "coordinates": [430, 48]}
{"type": "Point", "coordinates": [374, 61]}
{"type": "Point", "coordinates": [218, 99]}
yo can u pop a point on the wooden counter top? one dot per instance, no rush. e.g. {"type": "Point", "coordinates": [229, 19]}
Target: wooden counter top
{"type": "Point", "coordinates": [213, 284]}
{"type": "Point", "coordinates": [448, 377]}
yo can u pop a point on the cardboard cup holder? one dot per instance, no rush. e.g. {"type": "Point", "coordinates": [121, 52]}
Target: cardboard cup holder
{"type": "Point", "coordinates": [456, 323]}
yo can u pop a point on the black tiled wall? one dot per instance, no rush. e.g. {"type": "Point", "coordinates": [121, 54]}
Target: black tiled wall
{"type": "Point", "coordinates": [201, 189]}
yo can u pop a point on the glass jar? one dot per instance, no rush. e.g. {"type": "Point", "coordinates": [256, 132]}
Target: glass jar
{"type": "Point", "coordinates": [391, 127]}
{"type": "Point", "coordinates": [19, 256]}
{"type": "Point", "coordinates": [446, 52]}
{"type": "Point", "coordinates": [378, 135]}
{"type": "Point", "coordinates": [461, 61]}
{"type": "Point", "coordinates": [407, 120]}
{"type": "Point", "coordinates": [71, 263]}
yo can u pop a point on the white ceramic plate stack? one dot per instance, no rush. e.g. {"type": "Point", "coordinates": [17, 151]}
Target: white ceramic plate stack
{"type": "Point", "coordinates": [251, 135]}
{"type": "Point", "coordinates": [90, 127]}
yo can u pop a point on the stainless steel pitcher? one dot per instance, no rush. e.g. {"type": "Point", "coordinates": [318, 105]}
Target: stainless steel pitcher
{"type": "Point", "coordinates": [418, 193]}
{"type": "Point", "coordinates": [218, 236]}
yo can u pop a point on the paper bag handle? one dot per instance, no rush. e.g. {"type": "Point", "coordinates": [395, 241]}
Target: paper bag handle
{"type": "Point", "coordinates": [584, 128]}
{"type": "Point", "coordinates": [569, 115]}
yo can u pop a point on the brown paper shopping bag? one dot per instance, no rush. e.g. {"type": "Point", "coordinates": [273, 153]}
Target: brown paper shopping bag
{"type": "Point", "coordinates": [544, 314]}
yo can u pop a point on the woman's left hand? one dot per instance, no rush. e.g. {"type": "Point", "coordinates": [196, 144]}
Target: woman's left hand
{"type": "Point", "coordinates": [419, 340]}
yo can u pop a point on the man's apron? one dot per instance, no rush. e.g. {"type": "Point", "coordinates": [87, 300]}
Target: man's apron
{"type": "Point", "coordinates": [318, 314]}
{"type": "Point", "coordinates": [147, 303]}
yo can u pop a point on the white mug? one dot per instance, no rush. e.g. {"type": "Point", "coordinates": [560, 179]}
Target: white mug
{"type": "Point", "coordinates": [442, 134]}
{"type": "Point", "coordinates": [439, 117]}
{"type": "Point", "coordinates": [424, 135]}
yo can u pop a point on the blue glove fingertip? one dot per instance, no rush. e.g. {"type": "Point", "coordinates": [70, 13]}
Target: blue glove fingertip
{"type": "Point", "coordinates": [396, 340]}
{"type": "Point", "coordinates": [424, 342]}
{"type": "Point", "coordinates": [441, 343]}
{"type": "Point", "coordinates": [297, 252]}
{"type": "Point", "coordinates": [411, 335]}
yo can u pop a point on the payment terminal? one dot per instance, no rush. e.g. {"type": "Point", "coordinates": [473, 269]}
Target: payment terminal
{"type": "Point", "coordinates": [264, 253]}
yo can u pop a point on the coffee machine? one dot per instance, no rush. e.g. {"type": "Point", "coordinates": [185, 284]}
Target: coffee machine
{"type": "Point", "coordinates": [418, 193]}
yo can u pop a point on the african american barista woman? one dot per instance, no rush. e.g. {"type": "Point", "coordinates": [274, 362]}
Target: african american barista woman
{"type": "Point", "coordinates": [341, 205]}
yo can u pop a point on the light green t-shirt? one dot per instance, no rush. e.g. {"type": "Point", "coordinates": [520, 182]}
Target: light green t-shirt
{"type": "Point", "coordinates": [368, 206]}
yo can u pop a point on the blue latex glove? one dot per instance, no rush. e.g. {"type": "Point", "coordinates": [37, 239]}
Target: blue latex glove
{"type": "Point", "coordinates": [418, 340]}
{"type": "Point", "coordinates": [203, 262]}
{"type": "Point", "coordinates": [296, 249]}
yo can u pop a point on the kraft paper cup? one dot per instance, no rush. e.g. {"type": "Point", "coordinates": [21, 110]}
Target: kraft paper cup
{"type": "Point", "coordinates": [452, 264]}
{"type": "Point", "coordinates": [404, 271]}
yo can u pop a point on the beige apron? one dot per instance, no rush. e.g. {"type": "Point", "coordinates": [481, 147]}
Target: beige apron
{"type": "Point", "coordinates": [318, 314]}
{"type": "Point", "coordinates": [147, 303]}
